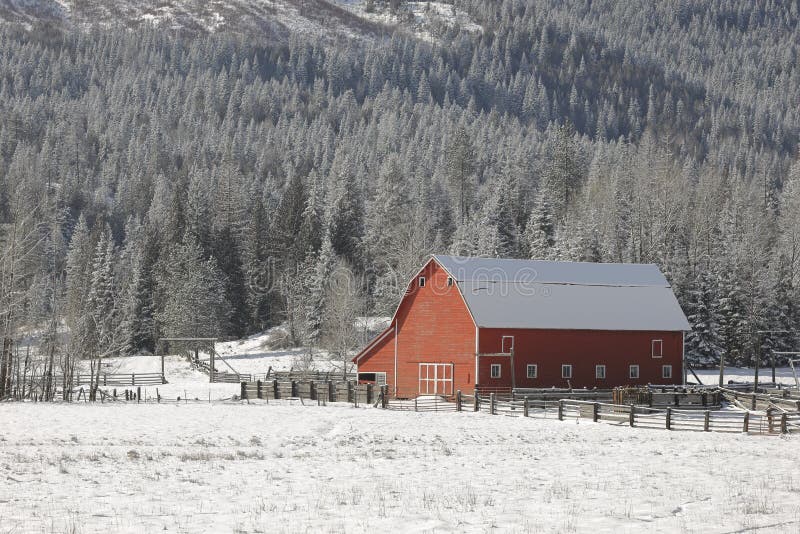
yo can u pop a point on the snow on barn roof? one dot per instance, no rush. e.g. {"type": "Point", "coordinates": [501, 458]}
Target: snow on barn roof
{"type": "Point", "coordinates": [565, 295]}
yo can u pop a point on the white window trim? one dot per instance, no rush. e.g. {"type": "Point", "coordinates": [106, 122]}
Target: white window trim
{"type": "Point", "coordinates": [564, 367]}
{"type": "Point", "coordinates": [535, 368]}
{"type": "Point", "coordinates": [499, 370]}
{"type": "Point", "coordinates": [503, 345]}
{"type": "Point", "coordinates": [630, 371]}
{"type": "Point", "coordinates": [421, 281]}
{"type": "Point", "coordinates": [597, 369]}
{"type": "Point", "coordinates": [664, 371]}
{"type": "Point", "coordinates": [660, 344]}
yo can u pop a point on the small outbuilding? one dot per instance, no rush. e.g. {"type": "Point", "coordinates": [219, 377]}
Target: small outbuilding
{"type": "Point", "coordinates": [497, 324]}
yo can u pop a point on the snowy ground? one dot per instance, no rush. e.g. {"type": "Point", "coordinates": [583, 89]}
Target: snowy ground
{"type": "Point", "coordinates": [783, 375]}
{"type": "Point", "coordinates": [278, 468]}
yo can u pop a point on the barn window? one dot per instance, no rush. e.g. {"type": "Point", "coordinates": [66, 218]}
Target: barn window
{"type": "Point", "coordinates": [421, 281]}
{"type": "Point", "coordinates": [633, 371]}
{"type": "Point", "coordinates": [566, 371]}
{"type": "Point", "coordinates": [600, 371]}
{"type": "Point", "coordinates": [533, 370]}
{"type": "Point", "coordinates": [657, 348]}
{"type": "Point", "coordinates": [666, 371]}
{"type": "Point", "coordinates": [449, 281]}
{"type": "Point", "coordinates": [508, 344]}
{"type": "Point", "coordinates": [495, 370]}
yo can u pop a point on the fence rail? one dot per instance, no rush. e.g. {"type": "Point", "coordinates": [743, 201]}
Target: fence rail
{"type": "Point", "coordinates": [769, 421]}
{"type": "Point", "coordinates": [321, 391]}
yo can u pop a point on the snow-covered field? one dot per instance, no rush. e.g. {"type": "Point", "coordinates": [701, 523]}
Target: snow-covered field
{"type": "Point", "coordinates": [278, 468]}
{"type": "Point", "coordinates": [783, 375]}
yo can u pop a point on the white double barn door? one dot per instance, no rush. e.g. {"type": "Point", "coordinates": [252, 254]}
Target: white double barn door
{"type": "Point", "coordinates": [436, 379]}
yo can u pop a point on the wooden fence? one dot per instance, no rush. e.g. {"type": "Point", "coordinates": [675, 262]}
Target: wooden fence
{"type": "Point", "coordinates": [769, 421]}
{"type": "Point", "coordinates": [321, 391]}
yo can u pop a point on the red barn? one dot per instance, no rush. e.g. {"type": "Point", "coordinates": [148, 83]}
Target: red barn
{"type": "Point", "coordinates": [492, 323]}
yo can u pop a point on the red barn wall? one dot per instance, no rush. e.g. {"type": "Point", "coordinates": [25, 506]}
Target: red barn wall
{"type": "Point", "coordinates": [584, 349]}
{"type": "Point", "coordinates": [433, 326]}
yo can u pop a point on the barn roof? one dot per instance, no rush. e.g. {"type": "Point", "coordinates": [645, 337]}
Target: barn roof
{"type": "Point", "coordinates": [565, 295]}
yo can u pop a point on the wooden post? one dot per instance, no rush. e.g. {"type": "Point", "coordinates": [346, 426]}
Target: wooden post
{"type": "Point", "coordinates": [384, 396]}
{"type": "Point", "coordinates": [349, 391]}
{"type": "Point", "coordinates": [458, 400]}
{"type": "Point", "coordinates": [163, 374]}
{"type": "Point", "coordinates": [127, 396]}
{"type": "Point", "coordinates": [770, 423]}
{"type": "Point", "coordinates": [476, 402]}
{"type": "Point", "coordinates": [753, 402]}
{"type": "Point", "coordinates": [115, 393]}
{"type": "Point", "coordinates": [561, 409]}
{"type": "Point", "coordinates": [784, 425]}
{"type": "Point", "coordinates": [707, 421]}
{"type": "Point", "coordinates": [492, 403]}
{"type": "Point", "coordinates": [276, 390]}
{"type": "Point", "coordinates": [312, 390]}
{"type": "Point", "coordinates": [158, 396]}
{"type": "Point", "coordinates": [259, 393]}
{"type": "Point", "coordinates": [138, 394]}
{"type": "Point", "coordinates": [704, 397]}
{"type": "Point", "coordinates": [369, 394]}
{"type": "Point", "coordinates": [746, 423]}
{"type": "Point", "coordinates": [595, 411]}
{"type": "Point", "coordinates": [669, 418]}
{"type": "Point", "coordinates": [632, 416]}
{"type": "Point", "coordinates": [294, 389]}
{"type": "Point", "coordinates": [133, 379]}
{"type": "Point", "coordinates": [415, 404]}
{"type": "Point", "coordinates": [244, 391]}
{"type": "Point", "coordinates": [331, 391]}
{"type": "Point", "coordinates": [677, 400]}
{"type": "Point", "coordinates": [525, 407]}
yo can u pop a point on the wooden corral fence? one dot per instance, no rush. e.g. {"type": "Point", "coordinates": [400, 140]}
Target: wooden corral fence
{"type": "Point", "coordinates": [123, 379]}
{"type": "Point", "coordinates": [319, 391]}
{"type": "Point", "coordinates": [769, 421]}
{"type": "Point", "coordinates": [783, 399]}
{"type": "Point", "coordinates": [668, 396]}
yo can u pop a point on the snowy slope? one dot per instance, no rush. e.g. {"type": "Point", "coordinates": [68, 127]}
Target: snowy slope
{"type": "Point", "coordinates": [278, 468]}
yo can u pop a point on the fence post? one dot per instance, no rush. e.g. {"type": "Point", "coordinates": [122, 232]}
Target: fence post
{"type": "Point", "coordinates": [704, 397]}
{"type": "Point", "coordinates": [525, 407]}
{"type": "Point", "coordinates": [784, 426]}
{"type": "Point", "coordinates": [669, 418]}
{"type": "Point", "coordinates": [312, 390]}
{"type": "Point", "coordinates": [458, 400]}
{"type": "Point", "coordinates": [384, 396]}
{"type": "Point", "coordinates": [258, 389]}
{"type": "Point", "coordinates": [415, 404]}
{"type": "Point", "coordinates": [133, 379]}
{"type": "Point", "coordinates": [632, 417]}
{"type": "Point", "coordinates": [294, 389]}
{"type": "Point", "coordinates": [476, 402]}
{"type": "Point", "coordinates": [276, 390]}
{"type": "Point", "coordinates": [370, 394]}
{"type": "Point", "coordinates": [706, 420]}
{"type": "Point", "coordinates": [492, 403]}
{"type": "Point", "coordinates": [349, 391]}
{"type": "Point", "coordinates": [331, 391]}
{"type": "Point", "coordinates": [105, 379]}
{"type": "Point", "coordinates": [138, 394]}
{"type": "Point", "coordinates": [753, 402]}
{"type": "Point", "coordinates": [560, 409]}
{"type": "Point", "coordinates": [595, 412]}
{"type": "Point", "coordinates": [244, 391]}
{"type": "Point", "coordinates": [770, 424]}
{"type": "Point", "coordinates": [746, 423]}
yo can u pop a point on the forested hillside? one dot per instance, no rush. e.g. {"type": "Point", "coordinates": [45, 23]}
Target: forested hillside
{"type": "Point", "coordinates": [167, 183]}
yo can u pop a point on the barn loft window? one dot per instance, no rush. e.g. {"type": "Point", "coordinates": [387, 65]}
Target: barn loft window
{"type": "Point", "coordinates": [666, 371]}
{"type": "Point", "coordinates": [508, 344]}
{"type": "Point", "coordinates": [600, 372]}
{"type": "Point", "coordinates": [495, 370]}
{"type": "Point", "coordinates": [657, 348]}
{"type": "Point", "coordinates": [449, 281]}
{"type": "Point", "coordinates": [421, 281]}
{"type": "Point", "coordinates": [533, 370]}
{"type": "Point", "coordinates": [566, 371]}
{"type": "Point", "coordinates": [633, 371]}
